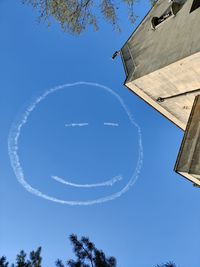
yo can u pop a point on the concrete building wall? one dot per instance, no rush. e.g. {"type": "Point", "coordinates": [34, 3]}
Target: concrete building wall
{"type": "Point", "coordinates": [165, 61]}
{"type": "Point", "coordinates": [162, 67]}
{"type": "Point", "coordinates": [188, 161]}
{"type": "Point", "coordinates": [177, 37]}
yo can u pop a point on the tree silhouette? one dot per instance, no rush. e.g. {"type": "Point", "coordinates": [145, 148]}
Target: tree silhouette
{"type": "Point", "coordinates": [21, 260]}
{"type": "Point", "coordinates": [87, 255]}
{"type": "Point", "coordinates": [3, 262]}
{"type": "Point", "coordinates": [34, 259]}
{"type": "Point", "coordinates": [168, 264]}
{"type": "Point", "coordinates": [74, 16]}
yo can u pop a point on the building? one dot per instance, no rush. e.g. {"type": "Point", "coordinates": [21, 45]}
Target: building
{"type": "Point", "coordinates": [162, 65]}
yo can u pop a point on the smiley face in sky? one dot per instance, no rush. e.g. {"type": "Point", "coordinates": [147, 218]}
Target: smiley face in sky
{"type": "Point", "coordinates": [76, 144]}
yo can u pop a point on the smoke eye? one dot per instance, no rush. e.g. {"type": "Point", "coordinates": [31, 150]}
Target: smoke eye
{"type": "Point", "coordinates": [112, 124]}
{"type": "Point", "coordinates": [82, 124]}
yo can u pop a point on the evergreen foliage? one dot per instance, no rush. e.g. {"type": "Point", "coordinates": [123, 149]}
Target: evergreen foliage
{"type": "Point", "coordinates": [34, 259]}
{"type": "Point", "coordinates": [86, 255]}
{"type": "Point", "coordinates": [168, 264]}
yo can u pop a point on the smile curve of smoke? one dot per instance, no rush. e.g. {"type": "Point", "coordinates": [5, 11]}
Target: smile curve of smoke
{"type": "Point", "coordinates": [110, 182]}
{"type": "Point", "coordinates": [13, 148]}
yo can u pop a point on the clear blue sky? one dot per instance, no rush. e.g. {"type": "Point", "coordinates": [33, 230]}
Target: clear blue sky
{"type": "Point", "coordinates": [156, 220]}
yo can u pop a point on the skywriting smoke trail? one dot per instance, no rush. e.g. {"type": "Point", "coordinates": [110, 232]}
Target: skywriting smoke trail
{"type": "Point", "coordinates": [77, 124]}
{"type": "Point", "coordinates": [111, 124]}
{"type": "Point", "coordinates": [110, 182]}
{"type": "Point", "coordinates": [13, 148]}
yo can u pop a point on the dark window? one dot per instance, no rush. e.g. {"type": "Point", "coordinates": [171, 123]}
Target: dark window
{"type": "Point", "coordinates": [157, 20]}
{"type": "Point", "coordinates": [195, 5]}
{"type": "Point", "coordinates": [172, 10]}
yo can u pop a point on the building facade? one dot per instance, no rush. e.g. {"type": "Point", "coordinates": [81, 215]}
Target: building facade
{"type": "Point", "coordinates": [162, 65]}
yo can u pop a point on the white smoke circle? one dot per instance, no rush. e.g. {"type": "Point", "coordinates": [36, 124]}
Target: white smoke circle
{"type": "Point", "coordinates": [13, 148]}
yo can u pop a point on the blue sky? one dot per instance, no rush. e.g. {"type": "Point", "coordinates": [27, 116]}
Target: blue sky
{"type": "Point", "coordinates": [156, 220]}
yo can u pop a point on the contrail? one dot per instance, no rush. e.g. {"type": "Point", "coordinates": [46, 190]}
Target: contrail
{"type": "Point", "coordinates": [110, 182]}
{"type": "Point", "coordinates": [111, 124]}
{"type": "Point", "coordinates": [13, 148]}
{"type": "Point", "coordinates": [77, 124]}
